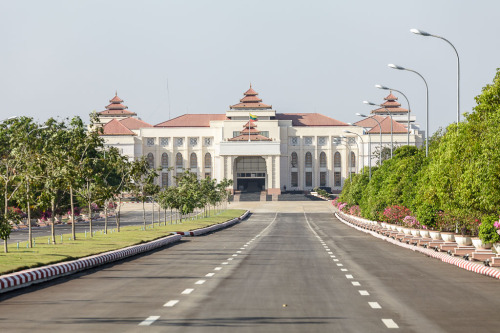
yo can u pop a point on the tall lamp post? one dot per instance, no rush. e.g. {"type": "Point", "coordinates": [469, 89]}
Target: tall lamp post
{"type": "Point", "coordinates": [362, 145]}
{"type": "Point", "coordinates": [423, 33]}
{"type": "Point", "coordinates": [390, 115]}
{"type": "Point", "coordinates": [409, 109]}
{"type": "Point", "coordinates": [426, 103]}
{"type": "Point", "coordinates": [348, 155]}
{"type": "Point", "coordinates": [380, 128]}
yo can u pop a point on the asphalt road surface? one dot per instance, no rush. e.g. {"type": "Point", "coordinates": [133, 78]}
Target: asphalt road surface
{"type": "Point", "coordinates": [296, 271]}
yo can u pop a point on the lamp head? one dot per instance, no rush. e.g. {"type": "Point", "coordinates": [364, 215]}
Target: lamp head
{"type": "Point", "coordinates": [346, 131]}
{"type": "Point", "coordinates": [370, 103]}
{"type": "Point", "coordinates": [360, 115]}
{"type": "Point", "coordinates": [382, 87]}
{"type": "Point", "coordinates": [420, 32]}
{"type": "Point", "coordinates": [43, 127]}
{"type": "Point", "coordinates": [396, 67]}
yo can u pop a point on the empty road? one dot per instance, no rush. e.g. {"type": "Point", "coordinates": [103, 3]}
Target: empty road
{"type": "Point", "coordinates": [290, 267]}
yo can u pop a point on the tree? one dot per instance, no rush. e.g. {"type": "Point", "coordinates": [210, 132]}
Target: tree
{"type": "Point", "coordinates": [142, 181]}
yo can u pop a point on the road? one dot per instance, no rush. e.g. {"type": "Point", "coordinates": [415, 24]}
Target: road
{"type": "Point", "coordinates": [290, 267]}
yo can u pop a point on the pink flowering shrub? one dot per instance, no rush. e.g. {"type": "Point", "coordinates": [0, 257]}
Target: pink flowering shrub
{"type": "Point", "coordinates": [355, 210]}
{"type": "Point", "coordinates": [411, 222]}
{"type": "Point", "coordinates": [395, 214]}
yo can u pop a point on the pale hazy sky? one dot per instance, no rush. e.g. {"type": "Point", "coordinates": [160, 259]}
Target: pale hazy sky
{"type": "Point", "coordinates": [66, 58]}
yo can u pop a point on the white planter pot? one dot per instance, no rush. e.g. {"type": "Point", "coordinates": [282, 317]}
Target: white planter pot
{"type": "Point", "coordinates": [407, 231]}
{"type": "Point", "coordinates": [393, 227]}
{"type": "Point", "coordinates": [479, 244]}
{"type": "Point", "coordinates": [415, 232]}
{"type": "Point", "coordinates": [399, 228]}
{"type": "Point", "coordinates": [424, 233]}
{"type": "Point", "coordinates": [448, 237]}
{"type": "Point", "coordinates": [435, 235]}
{"type": "Point", "coordinates": [383, 224]}
{"type": "Point", "coordinates": [463, 240]}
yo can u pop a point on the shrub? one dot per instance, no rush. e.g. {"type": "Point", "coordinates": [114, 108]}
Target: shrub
{"type": "Point", "coordinates": [395, 214]}
{"type": "Point", "coordinates": [489, 229]}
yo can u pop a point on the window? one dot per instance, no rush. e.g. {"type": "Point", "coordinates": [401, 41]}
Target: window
{"type": "Point", "coordinates": [308, 140]}
{"type": "Point", "coordinates": [150, 142]}
{"type": "Point", "coordinates": [322, 141]}
{"type": "Point", "coordinates": [264, 133]}
{"type": "Point", "coordinates": [207, 142]}
{"type": "Point", "coordinates": [193, 161]}
{"type": "Point", "coordinates": [178, 160]}
{"type": "Point", "coordinates": [179, 142]}
{"type": "Point", "coordinates": [294, 141]}
{"type": "Point", "coordinates": [322, 178]}
{"type": "Point", "coordinates": [337, 162]}
{"type": "Point", "coordinates": [193, 142]}
{"type": "Point", "coordinates": [309, 179]}
{"type": "Point", "coordinates": [353, 160]}
{"type": "Point", "coordinates": [322, 160]}
{"type": "Point", "coordinates": [336, 140]}
{"type": "Point", "coordinates": [164, 179]}
{"type": "Point", "coordinates": [208, 160]}
{"type": "Point", "coordinates": [309, 160]}
{"type": "Point", "coordinates": [337, 180]}
{"type": "Point", "coordinates": [235, 133]}
{"type": "Point", "coordinates": [164, 160]}
{"type": "Point", "coordinates": [295, 160]}
{"type": "Point", "coordinates": [163, 142]}
{"type": "Point", "coordinates": [295, 179]}
{"type": "Point", "coordinates": [151, 160]}
{"type": "Point", "coordinates": [351, 141]}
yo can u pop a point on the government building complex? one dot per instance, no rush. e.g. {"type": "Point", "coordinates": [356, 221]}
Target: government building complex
{"type": "Point", "coordinates": [259, 148]}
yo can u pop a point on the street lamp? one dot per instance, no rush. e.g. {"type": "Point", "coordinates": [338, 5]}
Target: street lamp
{"type": "Point", "coordinates": [10, 118]}
{"type": "Point", "coordinates": [426, 34]}
{"type": "Point", "coordinates": [380, 128]}
{"type": "Point", "coordinates": [409, 109]}
{"type": "Point", "coordinates": [426, 102]}
{"type": "Point", "coordinates": [348, 150]}
{"type": "Point", "coordinates": [390, 115]}
{"type": "Point", "coordinates": [362, 145]}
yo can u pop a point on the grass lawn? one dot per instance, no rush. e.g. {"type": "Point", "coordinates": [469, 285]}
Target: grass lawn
{"type": "Point", "coordinates": [43, 254]}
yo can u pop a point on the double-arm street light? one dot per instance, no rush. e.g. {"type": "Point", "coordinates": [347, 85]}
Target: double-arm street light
{"type": "Point", "coordinates": [365, 131]}
{"type": "Point", "coordinates": [348, 155]}
{"type": "Point", "coordinates": [407, 101]}
{"type": "Point", "coordinates": [426, 34]}
{"type": "Point", "coordinates": [390, 115]}
{"type": "Point", "coordinates": [426, 103]}
{"type": "Point", "coordinates": [380, 128]}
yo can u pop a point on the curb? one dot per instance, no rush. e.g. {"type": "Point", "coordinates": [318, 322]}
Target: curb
{"type": "Point", "coordinates": [444, 257]}
{"type": "Point", "coordinates": [212, 228]}
{"type": "Point", "coordinates": [31, 276]}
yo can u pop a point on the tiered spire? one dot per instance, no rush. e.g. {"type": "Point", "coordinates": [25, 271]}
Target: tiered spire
{"type": "Point", "coordinates": [117, 108]}
{"type": "Point", "coordinates": [391, 105]}
{"type": "Point", "coordinates": [250, 133]}
{"type": "Point", "coordinates": [251, 101]}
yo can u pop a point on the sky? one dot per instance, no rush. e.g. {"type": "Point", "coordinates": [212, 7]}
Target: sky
{"type": "Point", "coordinates": [68, 58]}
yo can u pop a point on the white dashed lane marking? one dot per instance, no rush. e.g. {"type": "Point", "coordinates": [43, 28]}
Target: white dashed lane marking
{"type": "Point", "coordinates": [187, 291]}
{"type": "Point", "coordinates": [363, 293]}
{"type": "Point", "coordinates": [225, 263]}
{"type": "Point", "coordinates": [390, 323]}
{"type": "Point", "coordinates": [217, 268]}
{"type": "Point", "coordinates": [171, 303]}
{"type": "Point", "coordinates": [340, 265]}
{"type": "Point", "coordinates": [356, 283]}
{"type": "Point", "coordinates": [238, 251]}
{"type": "Point", "coordinates": [349, 276]}
{"type": "Point", "coordinates": [149, 320]}
{"type": "Point", "coordinates": [344, 269]}
{"type": "Point", "coordinates": [210, 274]}
{"type": "Point", "coordinates": [235, 255]}
{"type": "Point", "coordinates": [374, 305]}
{"type": "Point", "coordinates": [335, 260]}
{"type": "Point", "coordinates": [200, 282]}
{"type": "Point", "coordinates": [229, 259]}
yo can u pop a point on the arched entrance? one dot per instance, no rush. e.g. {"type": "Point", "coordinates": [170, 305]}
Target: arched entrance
{"type": "Point", "coordinates": [250, 172]}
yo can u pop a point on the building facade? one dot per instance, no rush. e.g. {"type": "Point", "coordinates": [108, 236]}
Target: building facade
{"type": "Point", "coordinates": [257, 147]}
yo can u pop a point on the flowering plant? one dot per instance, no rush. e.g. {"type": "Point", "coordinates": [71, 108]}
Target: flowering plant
{"type": "Point", "coordinates": [395, 214]}
{"type": "Point", "coordinates": [76, 210]}
{"type": "Point", "coordinates": [489, 229]}
{"type": "Point", "coordinates": [355, 210]}
{"type": "Point", "coordinates": [411, 222]}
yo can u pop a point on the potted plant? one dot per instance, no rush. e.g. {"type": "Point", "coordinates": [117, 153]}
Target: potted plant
{"type": "Point", "coordinates": [489, 233]}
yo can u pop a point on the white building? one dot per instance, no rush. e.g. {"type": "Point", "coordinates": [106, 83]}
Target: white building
{"type": "Point", "coordinates": [278, 151]}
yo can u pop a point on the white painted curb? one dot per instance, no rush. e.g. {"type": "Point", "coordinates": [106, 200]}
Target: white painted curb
{"type": "Point", "coordinates": [462, 263]}
{"type": "Point", "coordinates": [212, 228]}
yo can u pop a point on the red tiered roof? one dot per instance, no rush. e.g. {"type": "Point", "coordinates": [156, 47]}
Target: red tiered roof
{"type": "Point", "coordinates": [385, 122]}
{"type": "Point", "coordinates": [391, 105]}
{"type": "Point", "coordinates": [251, 101]}
{"type": "Point", "coordinates": [116, 108]}
{"type": "Point", "coordinates": [250, 133]}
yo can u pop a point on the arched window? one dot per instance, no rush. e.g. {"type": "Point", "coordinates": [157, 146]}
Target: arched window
{"type": "Point", "coordinates": [178, 160]}
{"type": "Point", "coordinates": [337, 162]}
{"type": "Point", "coordinates": [309, 160]}
{"type": "Point", "coordinates": [295, 160]}
{"type": "Point", "coordinates": [353, 160]}
{"type": "Point", "coordinates": [322, 160]}
{"type": "Point", "coordinates": [208, 160]}
{"type": "Point", "coordinates": [151, 160]}
{"type": "Point", "coordinates": [193, 161]}
{"type": "Point", "coordinates": [164, 160]}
